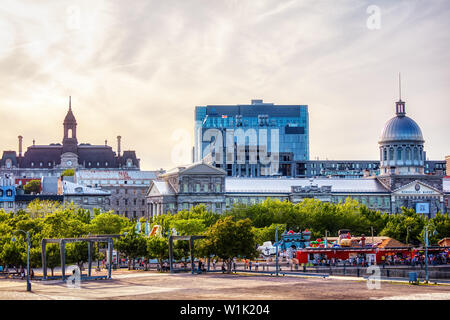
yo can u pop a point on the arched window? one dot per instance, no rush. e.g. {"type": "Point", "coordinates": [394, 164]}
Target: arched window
{"type": "Point", "coordinates": [408, 153]}
{"type": "Point", "coordinates": [416, 154]}
{"type": "Point", "coordinates": [391, 154]}
{"type": "Point", "coordinates": [399, 153]}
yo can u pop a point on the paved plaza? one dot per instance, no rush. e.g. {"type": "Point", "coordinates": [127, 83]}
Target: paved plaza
{"type": "Point", "coordinates": [183, 286]}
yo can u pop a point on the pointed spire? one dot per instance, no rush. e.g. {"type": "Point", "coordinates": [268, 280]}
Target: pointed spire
{"type": "Point", "coordinates": [400, 105]}
{"type": "Point", "coordinates": [70, 103]}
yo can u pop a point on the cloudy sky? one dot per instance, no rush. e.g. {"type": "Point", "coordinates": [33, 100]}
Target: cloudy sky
{"type": "Point", "coordinates": [138, 69]}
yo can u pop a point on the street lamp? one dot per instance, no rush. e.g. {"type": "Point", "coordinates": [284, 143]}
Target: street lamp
{"type": "Point", "coordinates": [276, 249]}
{"type": "Point", "coordinates": [28, 256]}
{"type": "Point", "coordinates": [426, 251]}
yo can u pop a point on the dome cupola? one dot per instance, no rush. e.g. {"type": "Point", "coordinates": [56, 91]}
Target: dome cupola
{"type": "Point", "coordinates": [401, 145]}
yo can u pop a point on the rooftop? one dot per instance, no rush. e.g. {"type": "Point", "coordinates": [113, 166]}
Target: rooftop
{"type": "Point", "coordinates": [284, 185]}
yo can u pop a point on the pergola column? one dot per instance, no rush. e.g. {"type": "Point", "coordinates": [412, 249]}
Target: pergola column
{"type": "Point", "coordinates": [89, 257]}
{"type": "Point", "coordinates": [44, 258]}
{"type": "Point", "coordinates": [63, 258]}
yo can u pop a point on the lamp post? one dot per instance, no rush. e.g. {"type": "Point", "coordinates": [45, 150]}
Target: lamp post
{"type": "Point", "coordinates": [276, 249]}
{"type": "Point", "coordinates": [28, 256]}
{"type": "Point", "coordinates": [426, 252]}
{"type": "Point", "coordinates": [326, 242]}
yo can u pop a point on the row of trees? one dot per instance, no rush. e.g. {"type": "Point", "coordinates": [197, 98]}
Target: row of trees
{"type": "Point", "coordinates": [235, 233]}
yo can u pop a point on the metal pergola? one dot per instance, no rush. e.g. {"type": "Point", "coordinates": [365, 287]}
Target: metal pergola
{"type": "Point", "coordinates": [90, 239]}
{"type": "Point", "coordinates": [191, 240]}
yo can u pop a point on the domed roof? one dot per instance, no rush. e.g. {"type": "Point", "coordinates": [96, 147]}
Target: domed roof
{"type": "Point", "coordinates": [401, 128]}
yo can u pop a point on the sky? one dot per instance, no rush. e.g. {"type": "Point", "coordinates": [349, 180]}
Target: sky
{"type": "Point", "coordinates": [138, 69]}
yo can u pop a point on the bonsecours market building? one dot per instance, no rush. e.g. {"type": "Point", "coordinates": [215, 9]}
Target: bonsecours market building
{"type": "Point", "coordinates": [401, 183]}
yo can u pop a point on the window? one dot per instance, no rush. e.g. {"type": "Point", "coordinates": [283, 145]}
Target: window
{"type": "Point", "coordinates": [205, 188]}
{"type": "Point", "coordinates": [197, 187]}
{"type": "Point", "coordinates": [399, 153]}
{"type": "Point", "coordinates": [391, 154]}
{"type": "Point", "coordinates": [143, 202]}
{"type": "Point", "coordinates": [1, 193]}
{"type": "Point", "coordinates": [185, 187]}
{"type": "Point", "coordinates": [10, 204]}
{"type": "Point", "coordinates": [135, 201]}
{"type": "Point", "coordinates": [118, 202]}
{"type": "Point", "coordinates": [408, 154]}
{"type": "Point", "coordinates": [1, 204]}
{"type": "Point", "coordinates": [218, 189]}
{"type": "Point", "coordinates": [8, 193]}
{"type": "Point", "coordinates": [126, 201]}
{"type": "Point", "coordinates": [85, 200]}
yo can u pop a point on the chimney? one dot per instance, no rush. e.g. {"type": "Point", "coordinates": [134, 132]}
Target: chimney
{"type": "Point", "coordinates": [20, 146]}
{"type": "Point", "coordinates": [118, 145]}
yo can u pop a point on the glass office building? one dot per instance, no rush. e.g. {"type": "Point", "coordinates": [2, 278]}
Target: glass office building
{"type": "Point", "coordinates": [278, 131]}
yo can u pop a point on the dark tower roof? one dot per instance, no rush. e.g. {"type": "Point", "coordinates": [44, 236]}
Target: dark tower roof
{"type": "Point", "coordinates": [70, 118]}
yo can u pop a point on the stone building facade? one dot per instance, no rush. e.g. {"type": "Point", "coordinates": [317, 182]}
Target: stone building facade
{"type": "Point", "coordinates": [128, 189]}
{"type": "Point", "coordinates": [186, 187]}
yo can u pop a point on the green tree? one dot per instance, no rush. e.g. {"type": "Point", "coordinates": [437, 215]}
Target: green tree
{"type": "Point", "coordinates": [132, 244]}
{"type": "Point", "coordinates": [33, 186]}
{"type": "Point", "coordinates": [158, 248]}
{"type": "Point", "coordinates": [228, 239]}
{"type": "Point", "coordinates": [108, 223]}
{"type": "Point", "coordinates": [68, 173]}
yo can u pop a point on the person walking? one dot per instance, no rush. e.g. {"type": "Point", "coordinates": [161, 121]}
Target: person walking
{"type": "Point", "coordinates": [250, 265]}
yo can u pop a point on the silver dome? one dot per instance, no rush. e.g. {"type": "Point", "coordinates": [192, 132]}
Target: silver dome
{"type": "Point", "coordinates": [401, 128]}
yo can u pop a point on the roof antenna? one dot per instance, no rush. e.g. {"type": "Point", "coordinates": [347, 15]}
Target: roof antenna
{"type": "Point", "coordinates": [70, 103]}
{"type": "Point", "coordinates": [400, 85]}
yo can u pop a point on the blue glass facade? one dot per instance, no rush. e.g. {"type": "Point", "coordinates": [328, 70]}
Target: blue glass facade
{"type": "Point", "coordinates": [288, 123]}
